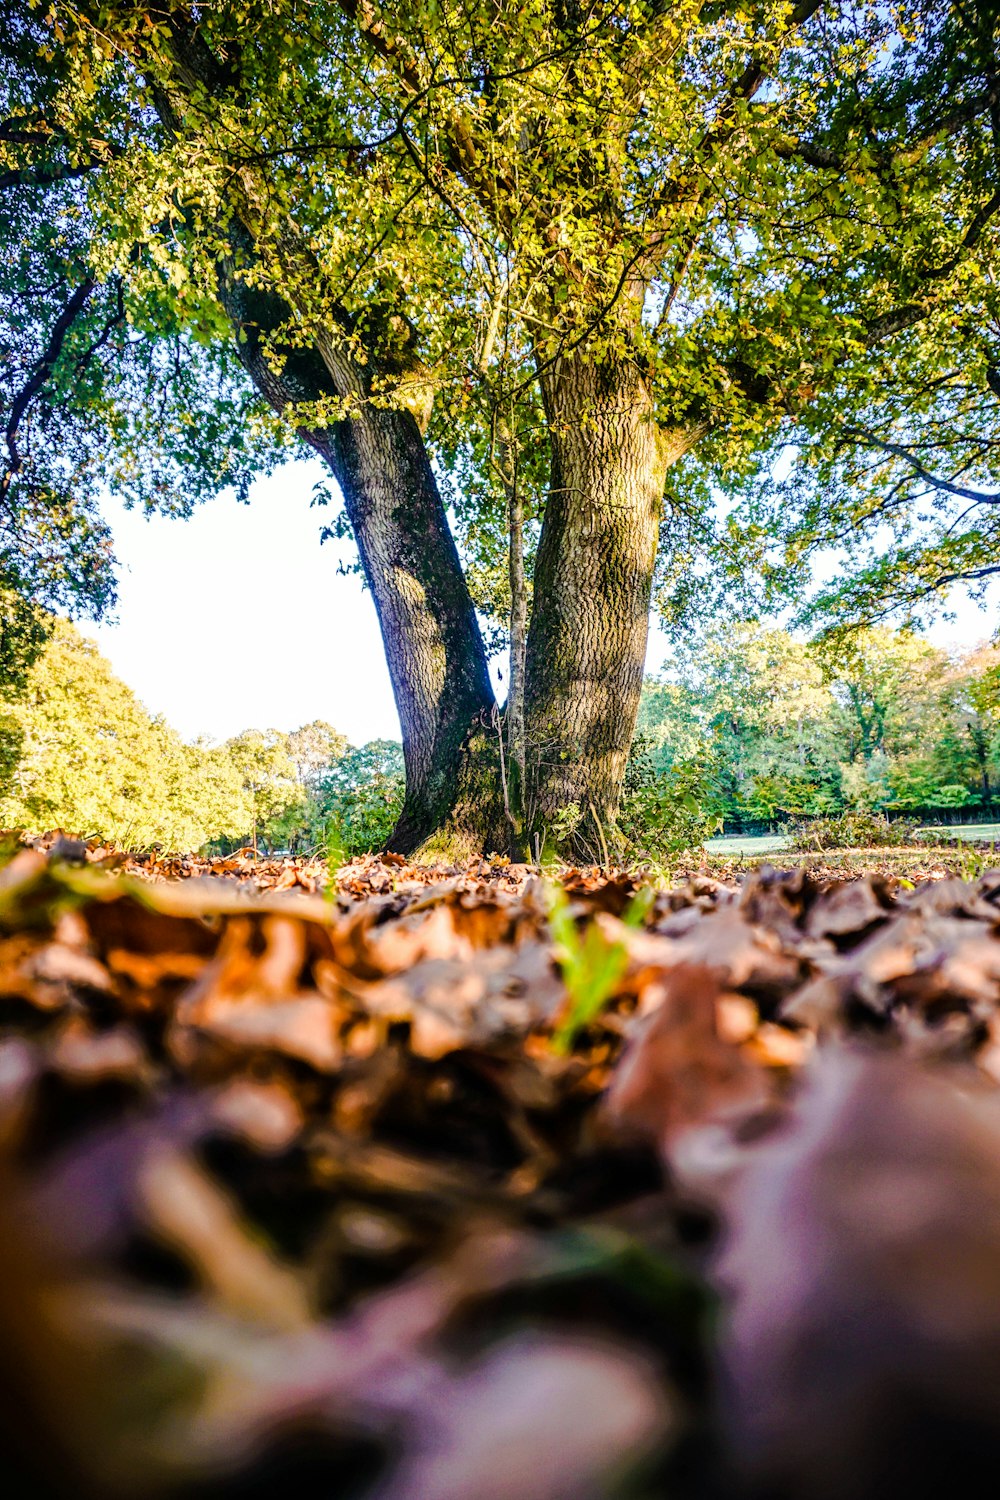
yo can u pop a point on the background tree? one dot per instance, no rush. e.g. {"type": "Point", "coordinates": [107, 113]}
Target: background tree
{"type": "Point", "coordinates": [91, 760]}
{"type": "Point", "coordinates": [885, 721]}
{"type": "Point", "coordinates": [269, 777]}
{"type": "Point", "coordinates": [314, 748]}
{"type": "Point", "coordinates": [360, 796]}
{"type": "Point", "coordinates": [79, 751]}
{"type": "Point", "coordinates": [975, 700]}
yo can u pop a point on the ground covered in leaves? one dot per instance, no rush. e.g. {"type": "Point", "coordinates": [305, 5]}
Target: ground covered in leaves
{"type": "Point", "coordinates": [468, 1185]}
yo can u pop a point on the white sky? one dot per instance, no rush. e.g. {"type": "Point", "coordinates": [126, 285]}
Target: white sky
{"type": "Point", "coordinates": [238, 618]}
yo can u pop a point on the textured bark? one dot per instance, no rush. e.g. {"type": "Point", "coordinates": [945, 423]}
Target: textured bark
{"type": "Point", "coordinates": [513, 728]}
{"type": "Point", "coordinates": [592, 590]}
{"type": "Point", "coordinates": [433, 647]}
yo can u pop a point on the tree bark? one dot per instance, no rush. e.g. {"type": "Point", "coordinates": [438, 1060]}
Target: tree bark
{"type": "Point", "coordinates": [513, 725]}
{"type": "Point", "coordinates": [592, 591]}
{"type": "Point", "coordinates": [433, 646]}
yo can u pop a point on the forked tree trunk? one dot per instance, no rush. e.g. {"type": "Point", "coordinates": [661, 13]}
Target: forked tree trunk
{"type": "Point", "coordinates": [433, 646]}
{"type": "Point", "coordinates": [592, 592]}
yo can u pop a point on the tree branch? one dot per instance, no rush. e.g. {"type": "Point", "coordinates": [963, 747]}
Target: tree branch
{"type": "Point", "coordinates": [790, 148]}
{"type": "Point", "coordinates": [894, 321]}
{"type": "Point", "coordinates": [678, 190]}
{"type": "Point", "coordinates": [787, 148]}
{"type": "Point", "coordinates": [45, 176]}
{"type": "Point", "coordinates": [42, 371]}
{"type": "Point", "coordinates": [898, 450]}
{"type": "Point", "coordinates": [755, 72]}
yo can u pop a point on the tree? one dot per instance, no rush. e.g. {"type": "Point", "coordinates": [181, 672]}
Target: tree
{"type": "Point", "coordinates": [765, 712]}
{"type": "Point", "coordinates": [901, 480]}
{"type": "Point", "coordinates": [970, 741]}
{"type": "Point", "coordinates": [314, 748]}
{"type": "Point", "coordinates": [360, 796]}
{"type": "Point", "coordinates": [101, 388]}
{"type": "Point", "coordinates": [23, 632]}
{"type": "Point", "coordinates": [86, 756]}
{"type": "Point", "coordinates": [884, 683]}
{"type": "Point", "coordinates": [671, 726]}
{"type": "Point", "coordinates": [880, 720]}
{"type": "Point", "coordinates": [268, 775]}
{"type": "Point", "coordinates": [298, 822]}
{"type": "Point", "coordinates": [587, 241]}
{"type": "Point", "coordinates": [79, 751]}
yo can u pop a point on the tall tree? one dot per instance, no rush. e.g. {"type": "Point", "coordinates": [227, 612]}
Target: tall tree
{"type": "Point", "coordinates": [595, 238]}
{"type": "Point", "coordinates": [268, 775]}
{"type": "Point", "coordinates": [79, 751]}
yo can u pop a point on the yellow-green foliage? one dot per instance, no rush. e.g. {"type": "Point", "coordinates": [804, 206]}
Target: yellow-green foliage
{"type": "Point", "coordinates": [94, 761]}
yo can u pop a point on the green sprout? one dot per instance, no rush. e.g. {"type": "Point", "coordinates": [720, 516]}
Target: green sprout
{"type": "Point", "coordinates": [591, 963]}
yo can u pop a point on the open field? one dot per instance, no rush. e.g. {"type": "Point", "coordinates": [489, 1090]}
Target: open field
{"type": "Point", "coordinates": [754, 846]}
{"type": "Point", "coordinates": [738, 843]}
{"type": "Point", "coordinates": [966, 832]}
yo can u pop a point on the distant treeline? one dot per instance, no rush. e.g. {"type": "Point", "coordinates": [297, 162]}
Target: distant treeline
{"type": "Point", "coordinates": [79, 751]}
{"type": "Point", "coordinates": [752, 727]}
{"type": "Point", "coordinates": [773, 728]}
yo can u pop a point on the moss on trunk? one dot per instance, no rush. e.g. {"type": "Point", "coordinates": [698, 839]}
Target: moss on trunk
{"type": "Point", "coordinates": [592, 591]}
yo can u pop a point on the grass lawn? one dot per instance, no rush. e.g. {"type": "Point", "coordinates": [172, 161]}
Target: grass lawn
{"type": "Point", "coordinates": [968, 833]}
{"type": "Point", "coordinates": [745, 843]}
{"type": "Point", "coordinates": [756, 846]}
{"type": "Point", "coordinates": [947, 852]}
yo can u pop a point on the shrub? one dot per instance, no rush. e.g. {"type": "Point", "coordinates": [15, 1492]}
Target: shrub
{"type": "Point", "coordinates": [665, 813]}
{"type": "Point", "coordinates": [851, 830]}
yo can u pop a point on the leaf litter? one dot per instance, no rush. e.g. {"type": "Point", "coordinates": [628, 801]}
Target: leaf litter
{"type": "Point", "coordinates": [450, 1183]}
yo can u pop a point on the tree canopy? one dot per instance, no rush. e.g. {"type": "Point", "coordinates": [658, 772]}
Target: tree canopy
{"type": "Point", "coordinates": [103, 388]}
{"type": "Point", "coordinates": [88, 757]}
{"type": "Point", "coordinates": [79, 751]}
{"type": "Point", "coordinates": [779, 190]}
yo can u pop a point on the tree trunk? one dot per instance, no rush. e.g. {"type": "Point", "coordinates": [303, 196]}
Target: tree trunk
{"type": "Point", "coordinates": [592, 592]}
{"type": "Point", "coordinates": [981, 749]}
{"type": "Point", "coordinates": [434, 650]}
{"type": "Point", "coordinates": [513, 728]}
{"type": "Point", "coordinates": [433, 647]}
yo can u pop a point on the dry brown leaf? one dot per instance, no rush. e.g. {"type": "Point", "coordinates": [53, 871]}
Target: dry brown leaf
{"type": "Point", "coordinates": [184, 1208]}
{"type": "Point", "coordinates": [450, 1004]}
{"type": "Point", "coordinates": [677, 1071]}
{"type": "Point", "coordinates": [266, 1115]}
{"type": "Point", "coordinates": [862, 1266]}
{"type": "Point", "coordinates": [541, 1418]}
{"type": "Point", "coordinates": [81, 1053]}
{"type": "Point", "coordinates": [303, 1026]}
